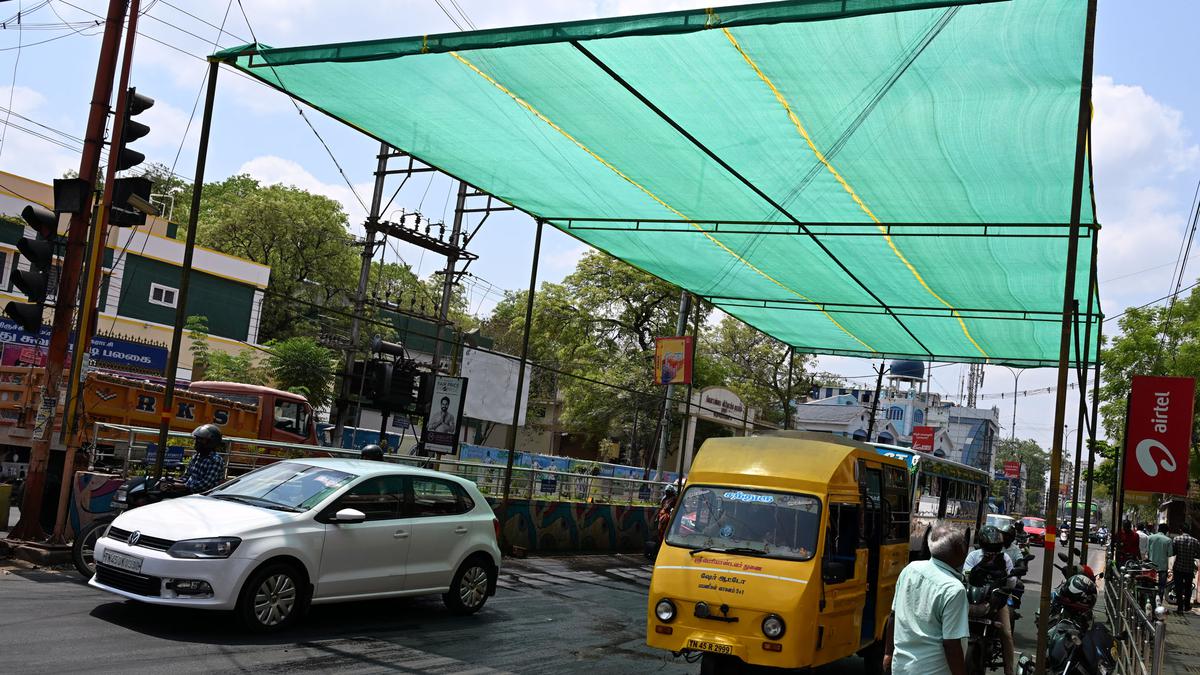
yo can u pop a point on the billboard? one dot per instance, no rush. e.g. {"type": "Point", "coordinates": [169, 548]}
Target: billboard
{"type": "Point", "coordinates": [1158, 434]}
{"type": "Point", "coordinates": [673, 360]}
{"type": "Point", "coordinates": [493, 387]}
{"type": "Point", "coordinates": [922, 439]}
{"type": "Point", "coordinates": [1012, 469]}
{"type": "Point", "coordinates": [440, 433]}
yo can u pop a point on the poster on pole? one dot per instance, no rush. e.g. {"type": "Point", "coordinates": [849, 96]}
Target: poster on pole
{"type": "Point", "coordinates": [673, 360]}
{"type": "Point", "coordinates": [1158, 434]}
{"type": "Point", "coordinates": [445, 414]}
{"type": "Point", "coordinates": [922, 439]}
{"type": "Point", "coordinates": [1012, 469]}
{"type": "Point", "coordinates": [494, 386]}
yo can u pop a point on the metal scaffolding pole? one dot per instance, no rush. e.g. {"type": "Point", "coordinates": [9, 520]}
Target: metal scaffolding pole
{"type": "Point", "coordinates": [1091, 458]}
{"type": "Point", "coordinates": [685, 300]}
{"type": "Point", "coordinates": [1064, 350]}
{"type": "Point", "coordinates": [449, 280]}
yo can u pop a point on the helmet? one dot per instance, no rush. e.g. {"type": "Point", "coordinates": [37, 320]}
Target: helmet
{"type": "Point", "coordinates": [670, 491]}
{"type": "Point", "coordinates": [1078, 594]}
{"type": "Point", "coordinates": [990, 539]}
{"type": "Point", "coordinates": [1008, 530]}
{"type": "Point", "coordinates": [372, 451]}
{"type": "Point", "coordinates": [207, 437]}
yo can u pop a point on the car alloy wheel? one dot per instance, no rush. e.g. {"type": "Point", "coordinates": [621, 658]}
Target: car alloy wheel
{"type": "Point", "coordinates": [275, 600]}
{"type": "Point", "coordinates": [472, 590]}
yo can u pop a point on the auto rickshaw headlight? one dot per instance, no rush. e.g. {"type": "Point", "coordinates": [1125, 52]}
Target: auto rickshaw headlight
{"type": "Point", "coordinates": [665, 610]}
{"type": "Point", "coordinates": [773, 627]}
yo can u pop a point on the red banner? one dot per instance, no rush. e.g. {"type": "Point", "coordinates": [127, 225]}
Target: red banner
{"type": "Point", "coordinates": [1012, 469]}
{"type": "Point", "coordinates": [1158, 434]}
{"type": "Point", "coordinates": [922, 439]}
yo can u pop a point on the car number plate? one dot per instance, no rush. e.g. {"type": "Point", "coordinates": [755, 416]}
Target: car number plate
{"type": "Point", "coordinates": [126, 562]}
{"type": "Point", "coordinates": [706, 646]}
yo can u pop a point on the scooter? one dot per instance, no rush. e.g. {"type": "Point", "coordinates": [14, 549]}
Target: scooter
{"type": "Point", "coordinates": [133, 493]}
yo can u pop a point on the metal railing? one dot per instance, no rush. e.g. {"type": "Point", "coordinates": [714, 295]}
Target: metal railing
{"type": "Point", "coordinates": [129, 445]}
{"type": "Point", "coordinates": [1141, 629]}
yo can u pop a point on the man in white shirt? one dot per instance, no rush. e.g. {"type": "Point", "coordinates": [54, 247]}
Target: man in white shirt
{"type": "Point", "coordinates": [925, 633]}
{"type": "Point", "coordinates": [1143, 540]}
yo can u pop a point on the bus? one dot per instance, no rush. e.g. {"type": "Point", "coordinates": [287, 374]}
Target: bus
{"type": "Point", "coordinates": [941, 489]}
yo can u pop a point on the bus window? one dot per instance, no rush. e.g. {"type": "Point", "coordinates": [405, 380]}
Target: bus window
{"type": "Point", "coordinates": [842, 537]}
{"type": "Point", "coordinates": [927, 500]}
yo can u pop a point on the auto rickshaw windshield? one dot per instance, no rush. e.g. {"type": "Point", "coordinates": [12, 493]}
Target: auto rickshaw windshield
{"type": "Point", "coordinates": [770, 524]}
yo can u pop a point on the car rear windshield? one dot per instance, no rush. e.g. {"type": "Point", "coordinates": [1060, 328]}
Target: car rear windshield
{"type": "Point", "coordinates": [1034, 522]}
{"type": "Point", "coordinates": [292, 486]}
{"type": "Point", "coordinates": [755, 522]}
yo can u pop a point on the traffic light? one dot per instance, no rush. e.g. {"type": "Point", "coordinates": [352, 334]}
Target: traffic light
{"type": "Point", "coordinates": [135, 104]}
{"type": "Point", "coordinates": [126, 193]}
{"type": "Point", "coordinates": [35, 281]}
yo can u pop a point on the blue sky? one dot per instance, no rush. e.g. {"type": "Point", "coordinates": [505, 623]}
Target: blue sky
{"type": "Point", "coordinates": [1146, 155]}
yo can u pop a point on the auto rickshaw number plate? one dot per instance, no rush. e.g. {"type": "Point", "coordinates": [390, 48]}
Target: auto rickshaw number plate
{"type": "Point", "coordinates": [706, 646]}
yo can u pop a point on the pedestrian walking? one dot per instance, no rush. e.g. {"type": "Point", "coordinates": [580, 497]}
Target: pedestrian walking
{"type": "Point", "coordinates": [1161, 550]}
{"type": "Point", "coordinates": [928, 624]}
{"type": "Point", "coordinates": [1143, 534]}
{"type": "Point", "coordinates": [1187, 550]}
{"type": "Point", "coordinates": [1127, 543]}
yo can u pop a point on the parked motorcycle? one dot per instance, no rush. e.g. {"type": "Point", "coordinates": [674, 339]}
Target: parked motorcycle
{"type": "Point", "coordinates": [1076, 645]}
{"type": "Point", "coordinates": [986, 597]}
{"type": "Point", "coordinates": [131, 494]}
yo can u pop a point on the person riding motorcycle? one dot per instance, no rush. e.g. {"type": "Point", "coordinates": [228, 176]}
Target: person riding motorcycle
{"type": "Point", "coordinates": [989, 565]}
{"type": "Point", "coordinates": [1008, 531]}
{"type": "Point", "coordinates": [206, 470]}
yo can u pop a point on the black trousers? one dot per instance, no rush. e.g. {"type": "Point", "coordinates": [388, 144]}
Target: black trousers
{"type": "Point", "coordinates": [1183, 590]}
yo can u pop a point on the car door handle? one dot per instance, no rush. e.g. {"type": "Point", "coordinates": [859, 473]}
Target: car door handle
{"type": "Point", "coordinates": [400, 534]}
{"type": "Point", "coordinates": [460, 530]}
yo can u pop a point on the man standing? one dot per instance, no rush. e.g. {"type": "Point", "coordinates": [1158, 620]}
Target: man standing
{"type": "Point", "coordinates": [1160, 551]}
{"type": "Point", "coordinates": [1127, 543]}
{"type": "Point", "coordinates": [1143, 539]}
{"type": "Point", "coordinates": [1187, 549]}
{"type": "Point", "coordinates": [929, 611]}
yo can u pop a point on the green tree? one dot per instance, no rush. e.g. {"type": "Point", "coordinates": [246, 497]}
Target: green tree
{"type": "Point", "coordinates": [302, 366]}
{"type": "Point", "coordinates": [197, 328]}
{"type": "Point", "coordinates": [1036, 461]}
{"type": "Point", "coordinates": [755, 367]}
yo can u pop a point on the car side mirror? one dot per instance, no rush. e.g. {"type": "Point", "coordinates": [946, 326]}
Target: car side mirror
{"type": "Point", "coordinates": [348, 516]}
{"type": "Point", "coordinates": [834, 571]}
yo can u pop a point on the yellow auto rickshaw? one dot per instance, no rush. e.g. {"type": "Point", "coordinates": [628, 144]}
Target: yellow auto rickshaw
{"type": "Point", "coordinates": [783, 551]}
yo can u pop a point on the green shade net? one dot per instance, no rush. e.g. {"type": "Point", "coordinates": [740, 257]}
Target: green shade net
{"type": "Point", "coordinates": [872, 178]}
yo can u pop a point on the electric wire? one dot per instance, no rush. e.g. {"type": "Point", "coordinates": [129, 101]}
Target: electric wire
{"type": "Point", "coordinates": [13, 87]}
{"type": "Point", "coordinates": [1181, 268]}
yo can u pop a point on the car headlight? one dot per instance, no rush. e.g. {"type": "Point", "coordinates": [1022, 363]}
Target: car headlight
{"type": "Point", "coordinates": [215, 547]}
{"type": "Point", "coordinates": [665, 610]}
{"type": "Point", "coordinates": [773, 627]}
{"type": "Point", "coordinates": [121, 495]}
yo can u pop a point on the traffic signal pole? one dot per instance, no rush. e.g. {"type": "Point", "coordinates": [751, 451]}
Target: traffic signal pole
{"type": "Point", "coordinates": [29, 527]}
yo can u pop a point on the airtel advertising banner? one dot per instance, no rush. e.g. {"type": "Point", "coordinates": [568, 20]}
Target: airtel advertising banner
{"type": "Point", "coordinates": [1158, 434]}
{"type": "Point", "coordinates": [1012, 469]}
{"type": "Point", "coordinates": [922, 439]}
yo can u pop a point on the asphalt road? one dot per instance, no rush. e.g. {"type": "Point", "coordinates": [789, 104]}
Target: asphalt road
{"type": "Point", "coordinates": [1025, 638]}
{"type": "Point", "coordinates": [550, 615]}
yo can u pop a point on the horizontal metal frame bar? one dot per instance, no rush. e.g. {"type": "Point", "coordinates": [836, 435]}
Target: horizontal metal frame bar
{"type": "Point", "coordinates": [881, 312]}
{"type": "Point", "coordinates": [776, 228]}
{"type": "Point", "coordinates": [1015, 314]}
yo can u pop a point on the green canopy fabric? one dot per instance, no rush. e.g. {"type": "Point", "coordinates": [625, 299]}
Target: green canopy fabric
{"type": "Point", "coordinates": [872, 178]}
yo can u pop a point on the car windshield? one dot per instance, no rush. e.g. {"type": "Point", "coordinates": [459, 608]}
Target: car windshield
{"type": "Point", "coordinates": [285, 485]}
{"type": "Point", "coordinates": [752, 522]}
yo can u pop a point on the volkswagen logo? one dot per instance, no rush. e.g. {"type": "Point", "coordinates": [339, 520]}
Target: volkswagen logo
{"type": "Point", "coordinates": [134, 538]}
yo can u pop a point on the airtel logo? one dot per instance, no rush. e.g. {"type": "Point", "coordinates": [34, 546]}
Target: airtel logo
{"type": "Point", "coordinates": [1146, 460]}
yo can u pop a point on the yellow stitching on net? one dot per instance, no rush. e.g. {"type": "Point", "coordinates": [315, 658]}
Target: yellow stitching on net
{"type": "Point", "coordinates": [846, 186]}
{"type": "Point", "coordinates": [526, 105]}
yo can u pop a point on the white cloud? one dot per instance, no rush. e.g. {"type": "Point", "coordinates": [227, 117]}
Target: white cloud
{"type": "Point", "coordinates": [563, 261]}
{"type": "Point", "coordinates": [272, 170]}
{"type": "Point", "coordinates": [1136, 134]}
{"type": "Point", "coordinates": [26, 154]}
{"type": "Point", "coordinates": [167, 125]}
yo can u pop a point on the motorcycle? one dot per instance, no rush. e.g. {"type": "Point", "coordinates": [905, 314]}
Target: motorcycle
{"type": "Point", "coordinates": [133, 493]}
{"type": "Point", "coordinates": [985, 598]}
{"type": "Point", "coordinates": [1145, 583]}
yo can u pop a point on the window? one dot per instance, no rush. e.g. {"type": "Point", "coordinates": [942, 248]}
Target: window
{"type": "Point", "coordinates": [895, 504]}
{"type": "Point", "coordinates": [436, 497]}
{"type": "Point", "coordinates": [918, 416]}
{"type": "Point", "coordinates": [284, 484]}
{"type": "Point", "coordinates": [379, 498]}
{"type": "Point", "coordinates": [164, 296]}
{"type": "Point", "coordinates": [842, 536]}
{"type": "Point", "coordinates": [777, 524]}
{"type": "Point", "coordinates": [292, 417]}
{"type": "Point", "coordinates": [895, 413]}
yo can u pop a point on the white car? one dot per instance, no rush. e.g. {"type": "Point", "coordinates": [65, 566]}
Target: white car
{"type": "Point", "coordinates": [304, 531]}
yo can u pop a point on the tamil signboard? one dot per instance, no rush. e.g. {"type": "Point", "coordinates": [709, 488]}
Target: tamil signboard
{"type": "Point", "coordinates": [922, 438]}
{"type": "Point", "coordinates": [673, 360]}
{"type": "Point", "coordinates": [445, 414]}
{"type": "Point", "coordinates": [1012, 469]}
{"type": "Point", "coordinates": [1158, 434]}
{"type": "Point", "coordinates": [20, 348]}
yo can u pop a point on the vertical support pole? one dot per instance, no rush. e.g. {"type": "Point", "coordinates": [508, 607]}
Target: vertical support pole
{"type": "Point", "coordinates": [29, 526]}
{"type": "Point", "coordinates": [448, 281]}
{"type": "Point", "coordinates": [685, 305]}
{"type": "Point", "coordinates": [1083, 407]}
{"type": "Point", "coordinates": [1064, 349]}
{"type": "Point", "coordinates": [185, 273]}
{"type": "Point", "coordinates": [787, 398]}
{"type": "Point", "coordinates": [685, 439]}
{"type": "Point", "coordinates": [360, 294]}
{"type": "Point", "coordinates": [88, 312]}
{"type": "Point", "coordinates": [1081, 376]}
{"type": "Point", "coordinates": [875, 402]}
{"type": "Point", "coordinates": [510, 442]}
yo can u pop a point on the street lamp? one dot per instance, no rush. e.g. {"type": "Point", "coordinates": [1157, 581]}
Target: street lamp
{"type": "Point", "coordinates": [1017, 372]}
